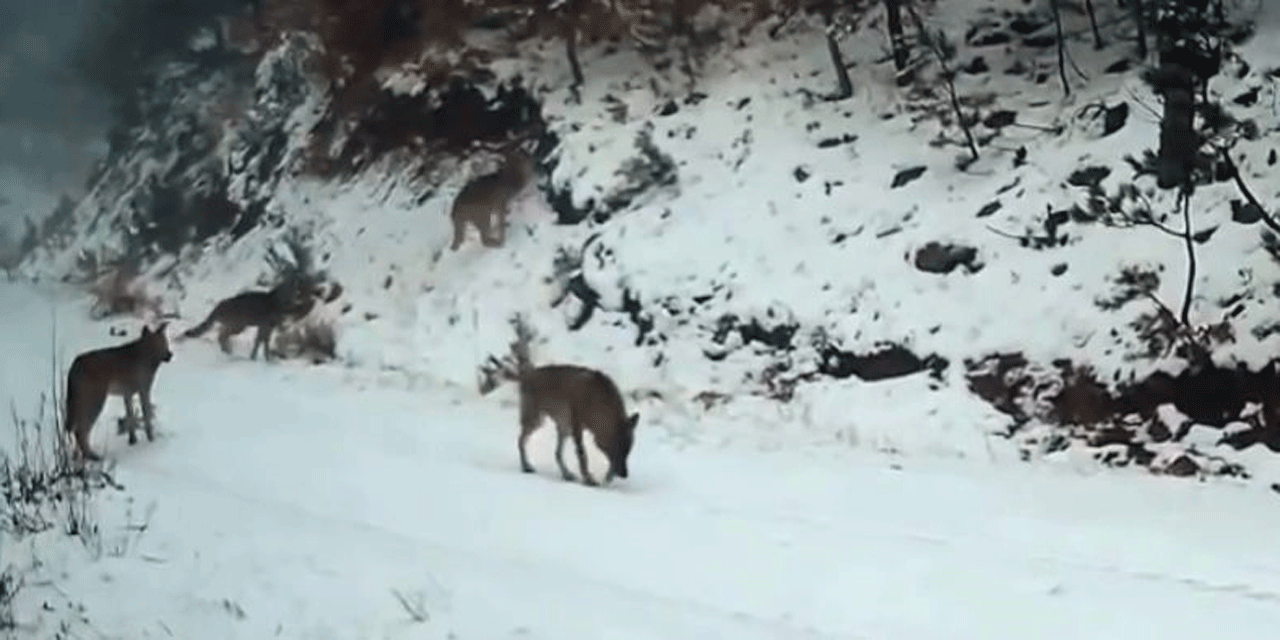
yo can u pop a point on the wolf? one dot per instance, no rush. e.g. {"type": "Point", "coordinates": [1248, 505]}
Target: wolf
{"type": "Point", "coordinates": [488, 196]}
{"type": "Point", "coordinates": [265, 310]}
{"type": "Point", "coordinates": [577, 399]}
{"type": "Point", "coordinates": [124, 370]}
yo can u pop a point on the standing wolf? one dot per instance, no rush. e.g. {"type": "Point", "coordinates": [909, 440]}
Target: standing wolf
{"type": "Point", "coordinates": [124, 370]}
{"type": "Point", "coordinates": [577, 399]}
{"type": "Point", "coordinates": [485, 201]}
{"type": "Point", "coordinates": [265, 310]}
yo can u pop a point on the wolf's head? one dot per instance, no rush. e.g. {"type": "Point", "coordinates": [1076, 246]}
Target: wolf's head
{"type": "Point", "coordinates": [619, 447]}
{"type": "Point", "coordinates": [155, 344]}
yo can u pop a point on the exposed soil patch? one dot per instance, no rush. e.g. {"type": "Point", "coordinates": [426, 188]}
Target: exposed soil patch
{"type": "Point", "coordinates": [1137, 423]}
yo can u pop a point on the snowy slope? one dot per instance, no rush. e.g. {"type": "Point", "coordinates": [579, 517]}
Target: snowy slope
{"type": "Point", "coordinates": [769, 223]}
{"type": "Point", "coordinates": [291, 502]}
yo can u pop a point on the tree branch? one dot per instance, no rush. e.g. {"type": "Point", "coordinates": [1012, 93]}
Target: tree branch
{"type": "Point", "coordinates": [947, 75]}
{"type": "Point", "coordinates": [1245, 191]}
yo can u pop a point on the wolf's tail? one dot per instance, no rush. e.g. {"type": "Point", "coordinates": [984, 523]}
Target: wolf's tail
{"type": "Point", "coordinates": [198, 330]}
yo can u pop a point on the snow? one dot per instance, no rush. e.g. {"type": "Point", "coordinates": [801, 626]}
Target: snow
{"type": "Point", "coordinates": [291, 501]}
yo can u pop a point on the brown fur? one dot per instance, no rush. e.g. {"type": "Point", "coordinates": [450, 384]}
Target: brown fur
{"type": "Point", "coordinates": [489, 196]}
{"type": "Point", "coordinates": [264, 310]}
{"type": "Point", "coordinates": [577, 399]}
{"type": "Point", "coordinates": [123, 370]}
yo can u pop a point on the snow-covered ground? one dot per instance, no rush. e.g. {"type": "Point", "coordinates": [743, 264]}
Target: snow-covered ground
{"type": "Point", "coordinates": [292, 501]}
{"type": "Point", "coordinates": [288, 500]}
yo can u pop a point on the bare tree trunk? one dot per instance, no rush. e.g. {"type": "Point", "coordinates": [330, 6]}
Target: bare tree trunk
{"type": "Point", "coordinates": [575, 65]}
{"type": "Point", "coordinates": [844, 84]}
{"type": "Point", "coordinates": [1188, 238]}
{"type": "Point", "coordinates": [1178, 141]}
{"type": "Point", "coordinates": [1062, 47]}
{"type": "Point", "coordinates": [947, 75]}
{"type": "Point", "coordinates": [1093, 24]}
{"type": "Point", "coordinates": [1138, 8]}
{"type": "Point", "coordinates": [564, 20]}
{"type": "Point", "coordinates": [898, 41]}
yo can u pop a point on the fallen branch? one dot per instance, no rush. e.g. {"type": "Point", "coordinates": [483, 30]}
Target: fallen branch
{"type": "Point", "coordinates": [415, 607]}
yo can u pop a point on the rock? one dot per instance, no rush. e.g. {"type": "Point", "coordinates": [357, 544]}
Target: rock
{"type": "Point", "coordinates": [1248, 98]}
{"type": "Point", "coordinates": [1000, 118]}
{"type": "Point", "coordinates": [889, 361]}
{"type": "Point", "coordinates": [935, 257]}
{"type": "Point", "coordinates": [1089, 176]}
{"type": "Point", "coordinates": [669, 108]}
{"type": "Point", "coordinates": [1243, 435]}
{"type": "Point", "coordinates": [906, 176]}
{"type": "Point", "coordinates": [990, 39]}
{"type": "Point", "coordinates": [801, 173]}
{"type": "Point", "coordinates": [1024, 25]}
{"type": "Point", "coordinates": [1245, 212]}
{"type": "Point", "coordinates": [827, 143]}
{"type": "Point", "coordinates": [1000, 379]}
{"type": "Point", "coordinates": [1182, 466]}
{"type": "Point", "coordinates": [1203, 236]}
{"type": "Point", "coordinates": [1110, 436]}
{"type": "Point", "coordinates": [976, 66]}
{"type": "Point", "coordinates": [989, 208]}
{"type": "Point", "coordinates": [1081, 399]}
{"type": "Point", "coordinates": [1058, 269]}
{"type": "Point", "coordinates": [1119, 66]}
{"type": "Point", "coordinates": [1158, 431]}
{"type": "Point", "coordinates": [1115, 118]}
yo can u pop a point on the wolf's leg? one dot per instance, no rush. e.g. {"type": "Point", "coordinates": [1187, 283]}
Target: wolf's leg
{"type": "Point", "coordinates": [262, 339]}
{"type": "Point", "coordinates": [529, 422]}
{"type": "Point", "coordinates": [224, 338]}
{"type": "Point", "coordinates": [495, 233]}
{"type": "Point", "coordinates": [88, 410]}
{"type": "Point", "coordinates": [587, 478]}
{"type": "Point", "coordinates": [565, 473]}
{"type": "Point", "coordinates": [459, 233]}
{"type": "Point", "coordinates": [148, 413]}
{"type": "Point", "coordinates": [130, 418]}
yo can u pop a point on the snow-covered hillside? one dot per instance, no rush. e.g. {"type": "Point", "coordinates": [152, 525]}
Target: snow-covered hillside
{"type": "Point", "coordinates": [752, 249]}
{"type": "Point", "coordinates": [312, 502]}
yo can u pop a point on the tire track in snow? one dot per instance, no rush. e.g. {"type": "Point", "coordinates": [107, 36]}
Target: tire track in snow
{"type": "Point", "coordinates": [992, 545]}
{"type": "Point", "coordinates": [1003, 548]}
{"type": "Point", "coordinates": [531, 568]}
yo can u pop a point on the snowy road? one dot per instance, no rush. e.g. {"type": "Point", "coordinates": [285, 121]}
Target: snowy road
{"type": "Point", "coordinates": [290, 502]}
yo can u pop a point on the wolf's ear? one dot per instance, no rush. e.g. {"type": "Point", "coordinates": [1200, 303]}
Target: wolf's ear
{"type": "Point", "coordinates": [146, 330]}
{"type": "Point", "coordinates": [163, 325]}
{"type": "Point", "coordinates": [632, 420]}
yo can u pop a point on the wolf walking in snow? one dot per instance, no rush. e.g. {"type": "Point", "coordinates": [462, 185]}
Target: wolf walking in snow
{"type": "Point", "coordinates": [124, 370]}
{"type": "Point", "coordinates": [264, 310]}
{"type": "Point", "coordinates": [577, 399]}
{"type": "Point", "coordinates": [489, 196]}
